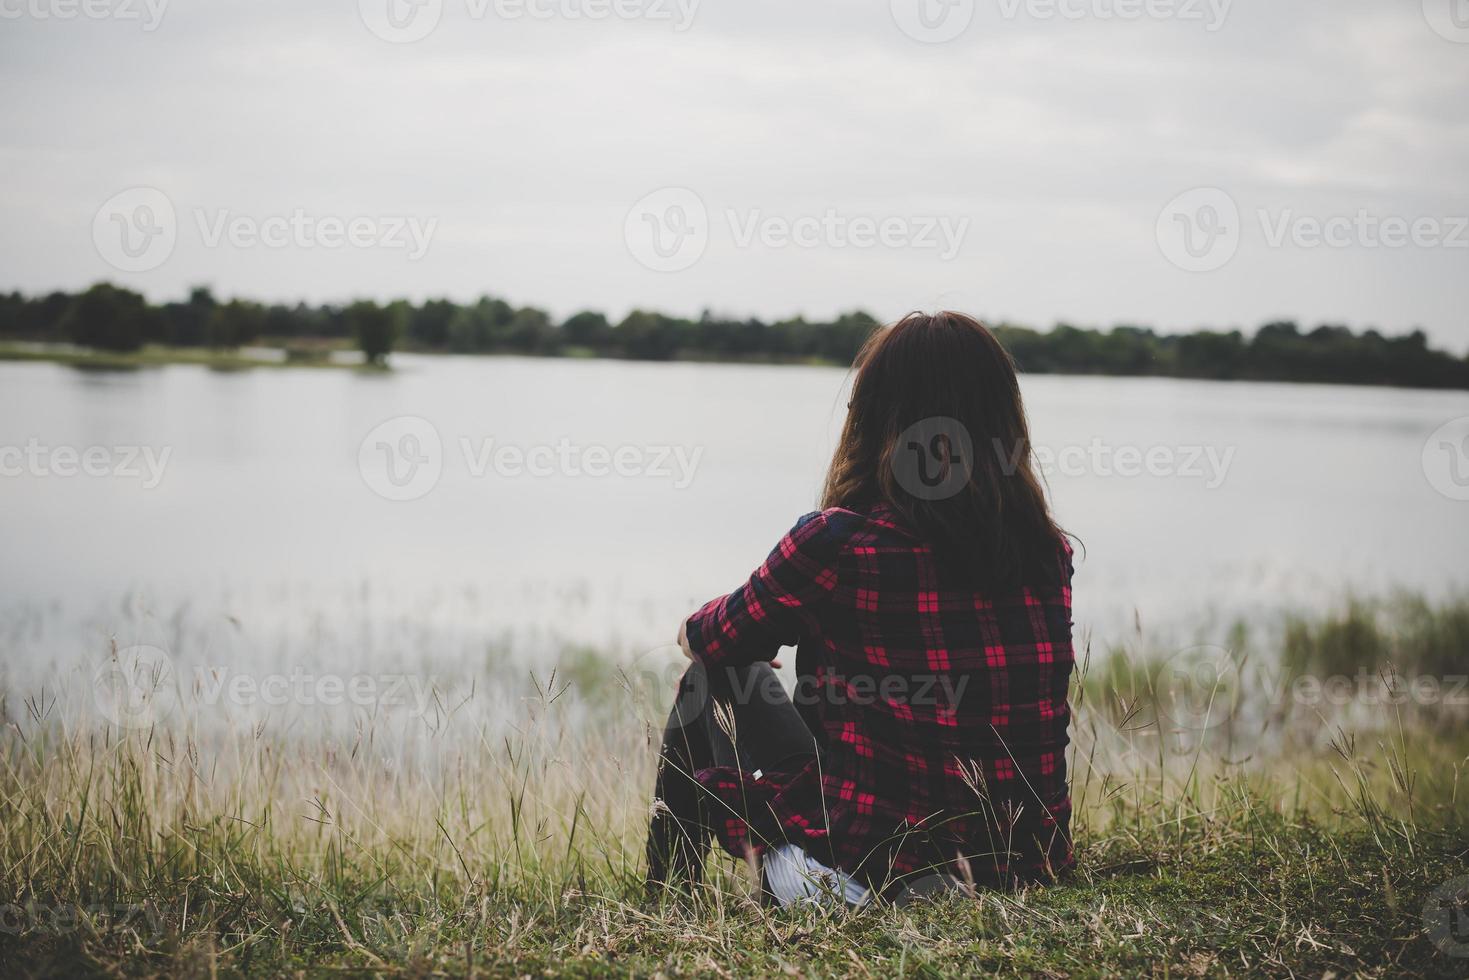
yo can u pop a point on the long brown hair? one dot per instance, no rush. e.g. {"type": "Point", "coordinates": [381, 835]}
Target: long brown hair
{"type": "Point", "coordinates": [936, 429]}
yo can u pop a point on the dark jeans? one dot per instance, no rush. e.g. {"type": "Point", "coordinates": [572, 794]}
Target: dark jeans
{"type": "Point", "coordinates": [768, 733]}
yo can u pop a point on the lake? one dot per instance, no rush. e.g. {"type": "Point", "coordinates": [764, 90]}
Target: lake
{"type": "Point", "coordinates": [597, 502]}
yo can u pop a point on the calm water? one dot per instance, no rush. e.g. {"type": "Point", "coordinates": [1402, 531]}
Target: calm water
{"type": "Point", "coordinates": [265, 523]}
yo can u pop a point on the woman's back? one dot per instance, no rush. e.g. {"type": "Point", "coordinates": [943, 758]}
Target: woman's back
{"type": "Point", "coordinates": [931, 602]}
{"type": "Point", "coordinates": [940, 709]}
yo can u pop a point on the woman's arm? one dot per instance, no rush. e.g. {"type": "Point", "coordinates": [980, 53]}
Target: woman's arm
{"type": "Point", "coordinates": [775, 607]}
{"type": "Point", "coordinates": [688, 651]}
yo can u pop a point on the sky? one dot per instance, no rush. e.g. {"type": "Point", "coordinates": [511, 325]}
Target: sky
{"type": "Point", "coordinates": [1167, 163]}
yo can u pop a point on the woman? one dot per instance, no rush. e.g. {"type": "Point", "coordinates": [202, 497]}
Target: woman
{"type": "Point", "coordinates": [930, 600]}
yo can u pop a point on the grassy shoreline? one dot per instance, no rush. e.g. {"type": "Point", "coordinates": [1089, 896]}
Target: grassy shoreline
{"type": "Point", "coordinates": [505, 839]}
{"type": "Point", "coordinates": [158, 356]}
{"type": "Point", "coordinates": [155, 355]}
{"type": "Point", "coordinates": [1264, 895]}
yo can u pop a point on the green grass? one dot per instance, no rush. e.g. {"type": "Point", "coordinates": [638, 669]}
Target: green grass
{"type": "Point", "coordinates": [1274, 897]}
{"type": "Point", "coordinates": [494, 841]}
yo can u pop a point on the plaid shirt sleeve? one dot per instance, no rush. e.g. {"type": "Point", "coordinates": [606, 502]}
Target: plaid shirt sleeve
{"type": "Point", "coordinates": [777, 606]}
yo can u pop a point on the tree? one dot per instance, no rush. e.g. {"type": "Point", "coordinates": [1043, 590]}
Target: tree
{"type": "Point", "coordinates": [234, 323]}
{"type": "Point", "coordinates": [651, 336]}
{"type": "Point", "coordinates": [376, 327]}
{"type": "Point", "coordinates": [429, 324]}
{"type": "Point", "coordinates": [847, 335]}
{"type": "Point", "coordinates": [186, 324]}
{"type": "Point", "coordinates": [1207, 354]}
{"type": "Point", "coordinates": [37, 318]}
{"type": "Point", "coordinates": [283, 322]}
{"type": "Point", "coordinates": [480, 327]}
{"type": "Point", "coordinates": [531, 331]}
{"type": "Point", "coordinates": [587, 329]}
{"type": "Point", "coordinates": [109, 318]}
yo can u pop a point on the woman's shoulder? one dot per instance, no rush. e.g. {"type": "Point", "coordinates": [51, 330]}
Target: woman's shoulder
{"type": "Point", "coordinates": [842, 525]}
{"type": "Point", "coordinates": [825, 525]}
{"type": "Point", "coordinates": [836, 531]}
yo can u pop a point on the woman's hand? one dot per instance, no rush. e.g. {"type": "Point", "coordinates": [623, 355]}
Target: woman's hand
{"type": "Point", "coordinates": [688, 651]}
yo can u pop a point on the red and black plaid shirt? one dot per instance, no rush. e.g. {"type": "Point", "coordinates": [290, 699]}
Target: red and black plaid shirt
{"type": "Point", "coordinates": [941, 711]}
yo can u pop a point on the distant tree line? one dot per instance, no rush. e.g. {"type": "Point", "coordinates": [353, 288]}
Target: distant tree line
{"type": "Point", "coordinates": [110, 318]}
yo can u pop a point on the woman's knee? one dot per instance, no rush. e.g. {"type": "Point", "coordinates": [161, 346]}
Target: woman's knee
{"type": "Point", "coordinates": [746, 684]}
{"type": "Point", "coordinates": [735, 688]}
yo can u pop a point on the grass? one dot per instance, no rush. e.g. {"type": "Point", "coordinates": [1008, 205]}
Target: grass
{"type": "Point", "coordinates": [154, 355]}
{"type": "Point", "coordinates": [318, 355]}
{"type": "Point", "coordinates": [503, 837]}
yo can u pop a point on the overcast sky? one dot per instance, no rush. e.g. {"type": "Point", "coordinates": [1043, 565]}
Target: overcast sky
{"type": "Point", "coordinates": [766, 157]}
